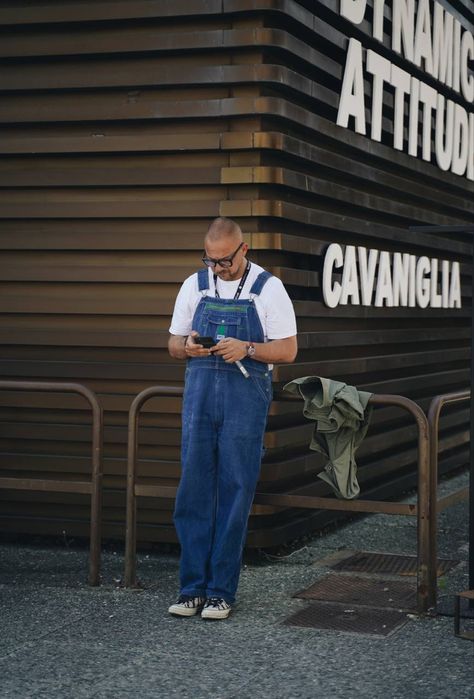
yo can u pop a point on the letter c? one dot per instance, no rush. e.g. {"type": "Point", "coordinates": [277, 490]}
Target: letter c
{"type": "Point", "coordinates": [333, 258]}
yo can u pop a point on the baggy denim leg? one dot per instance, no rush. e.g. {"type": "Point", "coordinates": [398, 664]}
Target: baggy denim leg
{"type": "Point", "coordinates": [223, 428]}
{"type": "Point", "coordinates": [239, 455]}
{"type": "Point", "coordinates": [194, 514]}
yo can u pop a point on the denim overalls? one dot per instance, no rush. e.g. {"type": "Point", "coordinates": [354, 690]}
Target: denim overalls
{"type": "Point", "coordinates": [224, 418]}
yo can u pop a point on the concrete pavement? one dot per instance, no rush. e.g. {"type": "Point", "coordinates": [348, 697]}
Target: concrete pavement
{"type": "Point", "coordinates": [62, 639]}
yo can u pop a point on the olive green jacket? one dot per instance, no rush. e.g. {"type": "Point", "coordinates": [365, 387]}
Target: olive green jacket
{"type": "Point", "coordinates": [342, 419]}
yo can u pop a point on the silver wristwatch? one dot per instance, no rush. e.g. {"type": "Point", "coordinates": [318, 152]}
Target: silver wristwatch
{"type": "Point", "coordinates": [250, 350]}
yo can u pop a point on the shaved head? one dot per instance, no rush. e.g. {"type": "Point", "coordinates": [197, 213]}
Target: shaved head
{"type": "Point", "coordinates": [222, 229]}
{"type": "Point", "coordinates": [223, 240]}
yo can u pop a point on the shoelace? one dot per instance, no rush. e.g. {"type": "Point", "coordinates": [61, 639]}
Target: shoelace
{"type": "Point", "coordinates": [216, 602]}
{"type": "Point", "coordinates": [189, 601]}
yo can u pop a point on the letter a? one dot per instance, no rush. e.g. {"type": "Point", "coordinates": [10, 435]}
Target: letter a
{"type": "Point", "coordinates": [455, 287]}
{"type": "Point", "coordinates": [352, 93]}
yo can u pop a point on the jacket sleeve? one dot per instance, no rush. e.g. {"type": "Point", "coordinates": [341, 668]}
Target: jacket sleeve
{"type": "Point", "coordinates": [342, 415]}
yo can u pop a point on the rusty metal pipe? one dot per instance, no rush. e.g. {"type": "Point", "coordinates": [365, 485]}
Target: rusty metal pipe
{"type": "Point", "coordinates": [97, 447]}
{"type": "Point", "coordinates": [434, 412]}
{"type": "Point", "coordinates": [313, 502]}
{"type": "Point", "coordinates": [130, 575]}
{"type": "Point", "coordinates": [425, 560]}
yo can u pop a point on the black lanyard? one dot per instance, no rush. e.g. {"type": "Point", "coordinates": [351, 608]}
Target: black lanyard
{"type": "Point", "coordinates": [241, 285]}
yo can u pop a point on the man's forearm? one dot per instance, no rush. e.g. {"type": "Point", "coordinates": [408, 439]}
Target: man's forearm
{"type": "Point", "coordinates": [274, 352]}
{"type": "Point", "coordinates": [176, 344]}
{"type": "Point", "coordinates": [277, 351]}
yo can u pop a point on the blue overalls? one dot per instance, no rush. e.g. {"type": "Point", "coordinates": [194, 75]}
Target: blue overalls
{"type": "Point", "coordinates": [223, 425]}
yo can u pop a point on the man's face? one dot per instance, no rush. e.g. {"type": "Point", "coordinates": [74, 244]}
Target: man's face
{"type": "Point", "coordinates": [230, 248]}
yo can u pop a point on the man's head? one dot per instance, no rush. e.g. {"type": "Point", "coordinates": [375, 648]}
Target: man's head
{"type": "Point", "coordinates": [223, 242]}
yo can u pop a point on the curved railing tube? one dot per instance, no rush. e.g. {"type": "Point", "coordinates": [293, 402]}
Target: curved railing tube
{"type": "Point", "coordinates": [131, 515]}
{"type": "Point", "coordinates": [95, 487]}
{"type": "Point", "coordinates": [434, 411]}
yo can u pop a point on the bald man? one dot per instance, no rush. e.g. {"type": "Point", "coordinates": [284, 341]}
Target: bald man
{"type": "Point", "coordinates": [247, 323]}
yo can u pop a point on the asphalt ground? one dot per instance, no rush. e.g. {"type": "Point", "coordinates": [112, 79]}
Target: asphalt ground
{"type": "Point", "coordinates": [60, 638]}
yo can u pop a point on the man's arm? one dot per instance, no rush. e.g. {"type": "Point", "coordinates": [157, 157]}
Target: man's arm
{"type": "Point", "coordinates": [176, 346]}
{"type": "Point", "coordinates": [274, 352]}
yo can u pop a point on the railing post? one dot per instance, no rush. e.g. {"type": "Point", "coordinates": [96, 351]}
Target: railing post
{"type": "Point", "coordinates": [97, 446]}
{"type": "Point", "coordinates": [425, 561]}
{"type": "Point", "coordinates": [434, 412]}
{"type": "Point", "coordinates": [96, 492]}
{"type": "Point", "coordinates": [130, 577]}
{"type": "Point", "coordinates": [131, 514]}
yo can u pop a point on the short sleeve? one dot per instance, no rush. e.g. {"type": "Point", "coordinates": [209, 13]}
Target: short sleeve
{"type": "Point", "coordinates": [184, 307]}
{"type": "Point", "coordinates": [280, 319]}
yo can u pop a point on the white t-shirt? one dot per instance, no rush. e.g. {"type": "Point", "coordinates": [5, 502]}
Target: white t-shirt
{"type": "Point", "coordinates": [273, 304]}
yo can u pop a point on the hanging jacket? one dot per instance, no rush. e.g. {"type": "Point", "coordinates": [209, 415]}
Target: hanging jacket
{"type": "Point", "coordinates": [342, 418]}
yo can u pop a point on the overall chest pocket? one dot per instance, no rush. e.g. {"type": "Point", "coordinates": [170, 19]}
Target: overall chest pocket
{"type": "Point", "coordinates": [227, 323]}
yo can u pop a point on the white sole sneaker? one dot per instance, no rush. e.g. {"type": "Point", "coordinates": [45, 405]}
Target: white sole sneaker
{"type": "Point", "coordinates": [179, 610]}
{"type": "Point", "coordinates": [212, 614]}
{"type": "Point", "coordinates": [182, 609]}
{"type": "Point", "coordinates": [215, 612]}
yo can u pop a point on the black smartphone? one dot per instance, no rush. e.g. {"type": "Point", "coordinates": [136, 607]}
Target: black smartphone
{"type": "Point", "coordinates": [205, 341]}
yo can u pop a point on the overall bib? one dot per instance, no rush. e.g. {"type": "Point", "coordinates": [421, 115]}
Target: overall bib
{"type": "Point", "coordinates": [223, 424]}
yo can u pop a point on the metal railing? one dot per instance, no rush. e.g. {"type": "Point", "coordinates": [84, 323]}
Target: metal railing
{"type": "Point", "coordinates": [436, 505]}
{"type": "Point", "coordinates": [133, 490]}
{"type": "Point", "coordinates": [421, 509]}
{"type": "Point", "coordinates": [92, 488]}
{"type": "Point", "coordinates": [425, 509]}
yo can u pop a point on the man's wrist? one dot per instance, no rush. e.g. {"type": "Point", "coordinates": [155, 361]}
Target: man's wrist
{"type": "Point", "coordinates": [251, 349]}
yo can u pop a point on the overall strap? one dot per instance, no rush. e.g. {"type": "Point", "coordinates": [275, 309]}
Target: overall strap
{"type": "Point", "coordinates": [203, 280]}
{"type": "Point", "coordinates": [260, 282]}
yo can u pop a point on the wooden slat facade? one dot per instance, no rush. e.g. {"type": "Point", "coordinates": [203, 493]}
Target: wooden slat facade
{"type": "Point", "coordinates": [125, 127]}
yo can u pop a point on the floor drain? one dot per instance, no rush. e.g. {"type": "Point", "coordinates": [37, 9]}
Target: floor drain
{"type": "Point", "coordinates": [340, 617]}
{"type": "Point", "coordinates": [386, 564]}
{"type": "Point", "coordinates": [370, 592]}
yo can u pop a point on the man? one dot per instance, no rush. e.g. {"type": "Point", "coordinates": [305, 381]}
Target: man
{"type": "Point", "coordinates": [250, 318]}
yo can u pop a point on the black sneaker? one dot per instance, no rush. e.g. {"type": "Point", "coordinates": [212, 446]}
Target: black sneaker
{"type": "Point", "coordinates": [216, 608]}
{"type": "Point", "coordinates": [187, 606]}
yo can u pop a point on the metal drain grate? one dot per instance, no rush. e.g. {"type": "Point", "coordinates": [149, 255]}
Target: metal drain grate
{"type": "Point", "coordinates": [371, 592]}
{"type": "Point", "coordinates": [386, 564]}
{"type": "Point", "coordinates": [337, 617]}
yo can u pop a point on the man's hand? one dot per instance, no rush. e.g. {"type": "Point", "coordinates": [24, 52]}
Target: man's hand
{"type": "Point", "coordinates": [231, 349]}
{"type": "Point", "coordinates": [182, 347]}
{"type": "Point", "coordinates": [193, 349]}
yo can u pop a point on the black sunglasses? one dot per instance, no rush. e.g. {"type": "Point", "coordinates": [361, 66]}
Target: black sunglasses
{"type": "Point", "coordinates": [223, 262]}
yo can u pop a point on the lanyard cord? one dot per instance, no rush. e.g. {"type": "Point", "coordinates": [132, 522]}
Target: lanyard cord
{"type": "Point", "coordinates": [241, 285]}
